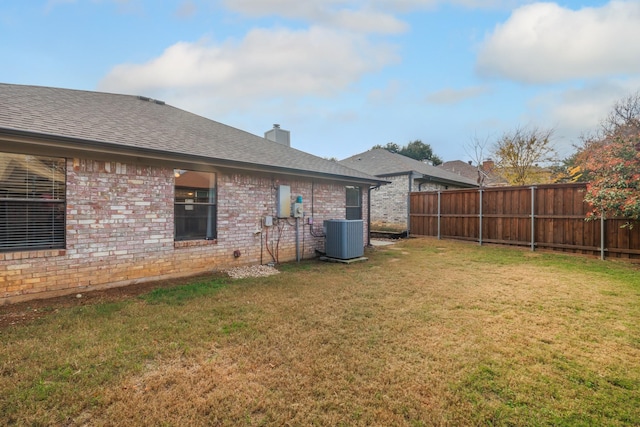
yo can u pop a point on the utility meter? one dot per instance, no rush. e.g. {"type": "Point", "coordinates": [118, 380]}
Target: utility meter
{"type": "Point", "coordinates": [296, 210]}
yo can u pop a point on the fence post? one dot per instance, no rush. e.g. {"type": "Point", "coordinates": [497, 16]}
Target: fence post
{"type": "Point", "coordinates": [533, 219]}
{"type": "Point", "coordinates": [480, 219]}
{"type": "Point", "coordinates": [438, 214]}
{"type": "Point", "coordinates": [602, 236]}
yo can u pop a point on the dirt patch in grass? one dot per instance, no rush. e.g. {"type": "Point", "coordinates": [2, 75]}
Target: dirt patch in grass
{"type": "Point", "coordinates": [426, 332]}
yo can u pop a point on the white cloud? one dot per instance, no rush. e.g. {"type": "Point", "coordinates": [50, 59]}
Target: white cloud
{"type": "Point", "coordinates": [342, 14]}
{"type": "Point", "coordinates": [544, 42]}
{"type": "Point", "coordinates": [455, 96]}
{"type": "Point", "coordinates": [264, 64]}
{"type": "Point", "coordinates": [577, 111]}
{"type": "Point", "coordinates": [186, 9]}
{"type": "Point", "coordinates": [366, 21]}
{"type": "Point", "coordinates": [370, 16]}
{"type": "Point", "coordinates": [385, 95]}
{"type": "Point", "coordinates": [406, 5]}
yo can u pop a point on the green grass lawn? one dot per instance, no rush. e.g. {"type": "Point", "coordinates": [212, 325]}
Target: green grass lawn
{"type": "Point", "coordinates": [426, 332]}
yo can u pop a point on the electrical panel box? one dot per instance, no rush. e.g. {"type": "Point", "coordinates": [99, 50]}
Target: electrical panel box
{"type": "Point", "coordinates": [283, 200]}
{"type": "Point", "coordinates": [297, 211]}
{"type": "Point", "coordinates": [268, 221]}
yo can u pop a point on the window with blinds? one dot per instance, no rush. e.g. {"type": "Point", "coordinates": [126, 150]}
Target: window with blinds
{"type": "Point", "coordinates": [32, 202]}
{"type": "Point", "coordinates": [195, 205]}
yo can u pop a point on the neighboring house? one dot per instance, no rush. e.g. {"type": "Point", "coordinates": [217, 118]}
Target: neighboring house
{"type": "Point", "coordinates": [484, 175]}
{"type": "Point", "coordinates": [100, 190]}
{"type": "Point", "coordinates": [390, 203]}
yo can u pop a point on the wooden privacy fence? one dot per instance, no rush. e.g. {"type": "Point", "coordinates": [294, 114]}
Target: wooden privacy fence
{"type": "Point", "coordinates": [543, 216]}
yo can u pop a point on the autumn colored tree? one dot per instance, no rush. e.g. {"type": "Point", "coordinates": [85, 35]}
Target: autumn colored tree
{"type": "Point", "coordinates": [568, 170]}
{"type": "Point", "coordinates": [614, 168]}
{"type": "Point", "coordinates": [610, 162]}
{"type": "Point", "coordinates": [622, 121]}
{"type": "Point", "coordinates": [624, 116]}
{"type": "Point", "coordinates": [417, 150]}
{"type": "Point", "coordinates": [521, 154]}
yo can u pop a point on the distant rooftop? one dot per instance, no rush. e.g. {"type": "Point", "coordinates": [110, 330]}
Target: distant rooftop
{"type": "Point", "coordinates": [381, 163]}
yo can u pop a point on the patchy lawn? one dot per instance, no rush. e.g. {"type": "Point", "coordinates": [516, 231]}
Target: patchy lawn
{"type": "Point", "coordinates": [426, 332]}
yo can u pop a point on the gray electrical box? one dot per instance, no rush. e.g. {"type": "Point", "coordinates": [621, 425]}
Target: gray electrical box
{"type": "Point", "coordinates": [283, 200]}
{"type": "Point", "coordinates": [297, 211]}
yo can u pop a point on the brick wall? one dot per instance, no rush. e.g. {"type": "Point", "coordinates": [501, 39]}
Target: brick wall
{"type": "Point", "coordinates": [389, 203]}
{"type": "Point", "coordinates": [120, 230]}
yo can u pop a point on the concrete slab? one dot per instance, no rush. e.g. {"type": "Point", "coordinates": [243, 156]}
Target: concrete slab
{"type": "Point", "coordinates": [376, 242]}
{"type": "Point", "coordinates": [343, 261]}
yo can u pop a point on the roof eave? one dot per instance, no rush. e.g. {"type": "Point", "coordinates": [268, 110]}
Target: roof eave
{"type": "Point", "coordinates": [399, 173]}
{"type": "Point", "coordinates": [428, 178]}
{"type": "Point", "coordinates": [80, 145]}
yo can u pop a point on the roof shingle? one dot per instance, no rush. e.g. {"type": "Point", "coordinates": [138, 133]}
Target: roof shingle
{"type": "Point", "coordinates": [131, 122]}
{"type": "Point", "coordinates": [380, 162]}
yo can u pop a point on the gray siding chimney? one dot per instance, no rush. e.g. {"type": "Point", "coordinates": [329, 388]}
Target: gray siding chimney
{"type": "Point", "coordinates": [278, 135]}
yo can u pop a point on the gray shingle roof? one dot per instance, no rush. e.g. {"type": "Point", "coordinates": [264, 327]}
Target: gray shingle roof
{"type": "Point", "coordinates": [469, 171]}
{"type": "Point", "coordinates": [460, 168]}
{"type": "Point", "coordinates": [136, 123]}
{"type": "Point", "coordinates": [380, 162]}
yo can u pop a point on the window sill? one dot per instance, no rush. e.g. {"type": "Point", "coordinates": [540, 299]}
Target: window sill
{"type": "Point", "coordinates": [194, 243]}
{"type": "Point", "coordinates": [44, 253]}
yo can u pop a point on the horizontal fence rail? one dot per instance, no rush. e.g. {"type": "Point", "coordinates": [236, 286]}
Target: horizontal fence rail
{"type": "Point", "coordinates": [543, 216]}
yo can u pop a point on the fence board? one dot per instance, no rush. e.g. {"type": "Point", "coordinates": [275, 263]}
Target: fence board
{"type": "Point", "coordinates": [558, 219]}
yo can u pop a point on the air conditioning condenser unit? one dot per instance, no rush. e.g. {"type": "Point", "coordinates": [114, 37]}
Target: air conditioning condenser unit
{"type": "Point", "coordinates": [343, 238]}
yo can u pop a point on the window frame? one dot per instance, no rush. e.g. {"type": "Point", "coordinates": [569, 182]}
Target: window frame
{"type": "Point", "coordinates": [353, 212]}
{"type": "Point", "coordinates": [33, 202]}
{"type": "Point", "coordinates": [202, 224]}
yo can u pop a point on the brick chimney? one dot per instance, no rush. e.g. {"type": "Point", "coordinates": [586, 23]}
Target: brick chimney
{"type": "Point", "coordinates": [488, 165]}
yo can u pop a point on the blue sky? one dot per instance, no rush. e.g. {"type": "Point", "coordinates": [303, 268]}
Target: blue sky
{"type": "Point", "coordinates": [343, 75]}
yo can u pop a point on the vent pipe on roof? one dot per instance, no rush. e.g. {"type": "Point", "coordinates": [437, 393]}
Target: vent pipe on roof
{"type": "Point", "coordinates": [278, 135]}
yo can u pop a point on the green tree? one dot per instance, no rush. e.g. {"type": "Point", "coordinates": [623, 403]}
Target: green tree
{"type": "Point", "coordinates": [417, 150]}
{"type": "Point", "coordinates": [520, 155]}
{"type": "Point", "coordinates": [391, 147]}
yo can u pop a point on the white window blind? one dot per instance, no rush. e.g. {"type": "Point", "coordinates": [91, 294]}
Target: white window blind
{"type": "Point", "coordinates": [32, 202]}
{"type": "Point", "coordinates": [195, 205]}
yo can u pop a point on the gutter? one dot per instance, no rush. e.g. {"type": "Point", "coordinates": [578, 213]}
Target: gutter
{"type": "Point", "coordinates": [76, 146]}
